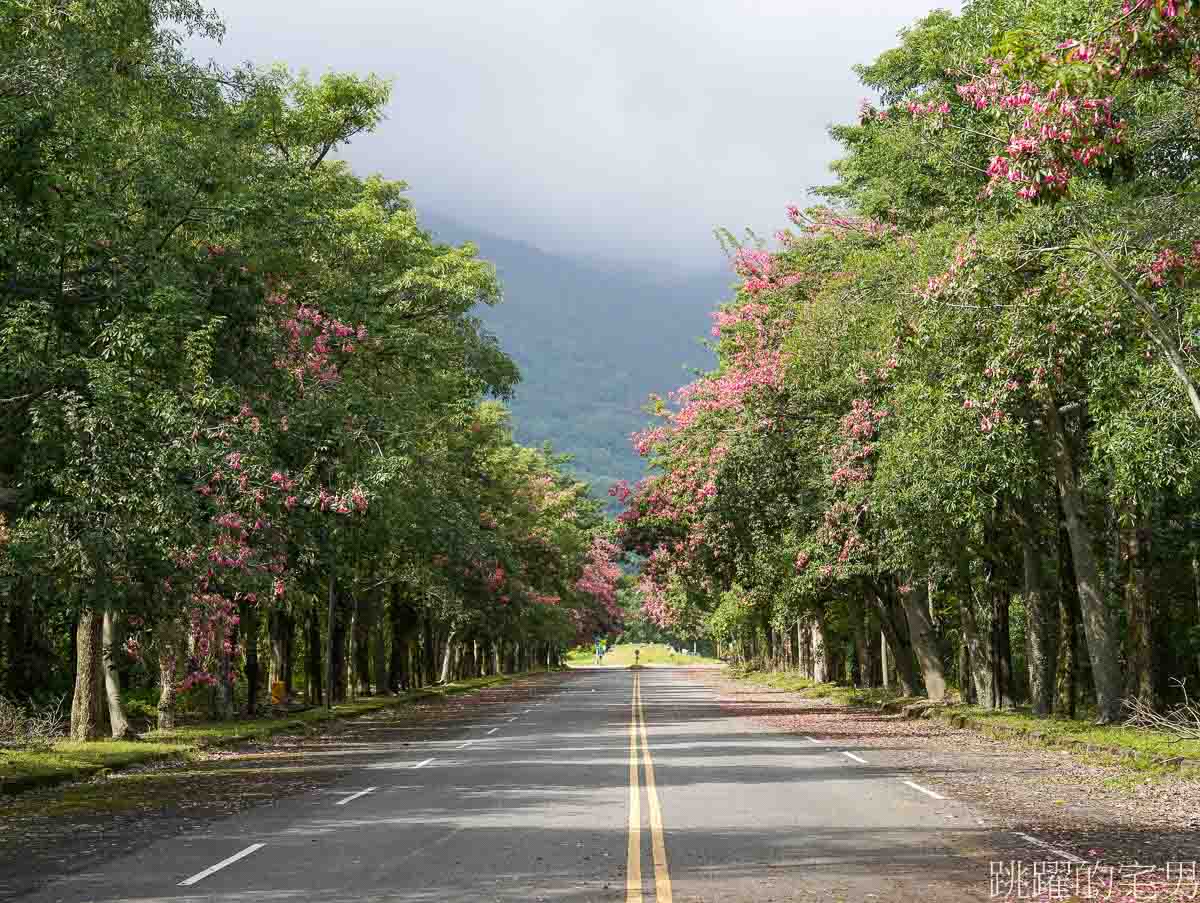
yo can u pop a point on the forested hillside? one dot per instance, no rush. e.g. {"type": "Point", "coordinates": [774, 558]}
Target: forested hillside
{"type": "Point", "coordinates": [593, 342]}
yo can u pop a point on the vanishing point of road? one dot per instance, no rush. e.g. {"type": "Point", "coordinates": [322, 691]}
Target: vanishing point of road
{"type": "Point", "coordinates": [596, 785]}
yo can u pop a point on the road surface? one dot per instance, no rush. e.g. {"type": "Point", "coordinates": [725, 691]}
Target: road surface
{"type": "Point", "coordinates": [605, 785]}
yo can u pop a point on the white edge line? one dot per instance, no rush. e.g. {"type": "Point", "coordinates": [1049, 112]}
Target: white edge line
{"type": "Point", "coordinates": [493, 730]}
{"type": "Point", "coordinates": [422, 764]}
{"type": "Point", "coordinates": [352, 797]}
{"type": "Point", "coordinates": [924, 790]}
{"type": "Point", "coordinates": [200, 876]}
{"type": "Point", "coordinates": [854, 757]}
{"type": "Point", "coordinates": [1041, 843]}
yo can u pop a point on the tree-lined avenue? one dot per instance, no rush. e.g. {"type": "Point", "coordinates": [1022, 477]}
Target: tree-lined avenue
{"type": "Point", "coordinates": [611, 785]}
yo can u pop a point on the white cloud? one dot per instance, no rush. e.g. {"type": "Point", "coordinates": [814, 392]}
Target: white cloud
{"type": "Point", "coordinates": [622, 128]}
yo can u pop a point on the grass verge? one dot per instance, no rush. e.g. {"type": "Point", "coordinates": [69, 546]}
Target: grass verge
{"type": "Point", "coordinates": [1138, 748]}
{"type": "Point", "coordinates": [651, 654]}
{"type": "Point", "coordinates": [24, 769]}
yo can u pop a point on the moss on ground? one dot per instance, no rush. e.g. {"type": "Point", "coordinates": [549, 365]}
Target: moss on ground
{"type": "Point", "coordinates": [22, 769]}
{"type": "Point", "coordinates": [1145, 750]}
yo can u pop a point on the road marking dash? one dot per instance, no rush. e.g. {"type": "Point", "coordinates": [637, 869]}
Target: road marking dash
{"type": "Point", "coordinates": [493, 730]}
{"type": "Point", "coordinates": [512, 719]}
{"type": "Point", "coordinates": [812, 739]}
{"type": "Point", "coordinates": [924, 790]}
{"type": "Point", "coordinates": [200, 876]}
{"type": "Point", "coordinates": [855, 758]}
{"type": "Point", "coordinates": [352, 797]}
{"type": "Point", "coordinates": [1071, 857]}
{"type": "Point", "coordinates": [422, 764]}
{"type": "Point", "coordinates": [464, 745]}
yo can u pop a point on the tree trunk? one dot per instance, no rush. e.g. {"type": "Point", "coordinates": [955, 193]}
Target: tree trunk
{"type": "Point", "coordinates": [924, 639]}
{"type": "Point", "coordinates": [167, 640]}
{"type": "Point", "coordinates": [1041, 632]}
{"type": "Point", "coordinates": [249, 629]}
{"type": "Point", "coordinates": [895, 630]}
{"type": "Point", "coordinates": [1099, 625]}
{"type": "Point", "coordinates": [86, 707]}
{"type": "Point", "coordinates": [444, 677]}
{"type": "Point", "coordinates": [277, 642]}
{"type": "Point", "coordinates": [820, 652]}
{"type": "Point", "coordinates": [313, 656]}
{"type": "Point", "coordinates": [1002, 648]}
{"type": "Point", "coordinates": [379, 650]}
{"type": "Point", "coordinates": [804, 642]}
{"type": "Point", "coordinates": [363, 616]}
{"type": "Point", "coordinates": [403, 621]}
{"type": "Point", "coordinates": [1196, 590]}
{"type": "Point", "coordinates": [1140, 607]}
{"type": "Point", "coordinates": [1068, 596]}
{"type": "Point", "coordinates": [863, 648]}
{"type": "Point", "coordinates": [885, 666]}
{"type": "Point", "coordinates": [110, 639]}
{"type": "Point", "coordinates": [977, 639]}
{"type": "Point", "coordinates": [289, 653]}
{"type": "Point", "coordinates": [429, 653]}
{"type": "Point", "coordinates": [335, 667]}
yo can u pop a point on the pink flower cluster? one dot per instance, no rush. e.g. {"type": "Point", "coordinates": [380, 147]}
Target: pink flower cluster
{"type": "Point", "coordinates": [313, 343]}
{"type": "Point", "coordinates": [937, 286]}
{"type": "Point", "coordinates": [759, 270]}
{"type": "Point", "coordinates": [1169, 264]}
{"type": "Point", "coordinates": [601, 575]}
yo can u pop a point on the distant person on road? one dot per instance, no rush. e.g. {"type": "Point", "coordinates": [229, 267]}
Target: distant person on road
{"type": "Point", "coordinates": [599, 651]}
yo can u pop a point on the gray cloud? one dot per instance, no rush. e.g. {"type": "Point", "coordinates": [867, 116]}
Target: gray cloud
{"type": "Point", "coordinates": [617, 128]}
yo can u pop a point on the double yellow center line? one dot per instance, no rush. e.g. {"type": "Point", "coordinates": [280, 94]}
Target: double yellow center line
{"type": "Point", "coordinates": [633, 871]}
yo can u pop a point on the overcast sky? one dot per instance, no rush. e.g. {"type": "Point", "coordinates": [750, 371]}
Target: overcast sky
{"type": "Point", "coordinates": [623, 129]}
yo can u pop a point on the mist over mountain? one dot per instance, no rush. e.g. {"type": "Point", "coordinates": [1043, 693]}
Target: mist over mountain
{"type": "Point", "coordinates": [593, 340]}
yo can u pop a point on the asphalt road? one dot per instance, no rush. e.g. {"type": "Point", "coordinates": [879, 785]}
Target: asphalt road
{"type": "Point", "coordinates": [606, 785]}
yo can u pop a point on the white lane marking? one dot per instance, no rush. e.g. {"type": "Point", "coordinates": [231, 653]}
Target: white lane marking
{"type": "Point", "coordinates": [924, 790]}
{"type": "Point", "coordinates": [464, 745]}
{"type": "Point", "coordinates": [854, 757]}
{"type": "Point", "coordinates": [512, 719]}
{"type": "Point", "coordinates": [352, 797]}
{"type": "Point", "coordinates": [493, 730]}
{"type": "Point", "coordinates": [200, 876]}
{"type": "Point", "coordinates": [1045, 846]}
{"type": "Point", "coordinates": [422, 764]}
{"type": "Point", "coordinates": [812, 739]}
{"type": "Point", "coordinates": [527, 711]}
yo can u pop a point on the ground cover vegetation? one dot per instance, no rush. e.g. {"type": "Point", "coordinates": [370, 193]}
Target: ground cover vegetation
{"type": "Point", "coordinates": [951, 442]}
{"type": "Point", "coordinates": [253, 445]}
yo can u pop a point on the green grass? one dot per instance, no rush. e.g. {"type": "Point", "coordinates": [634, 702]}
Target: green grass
{"type": "Point", "coordinates": [1148, 748]}
{"type": "Point", "coordinates": [651, 654]}
{"type": "Point", "coordinates": [792, 682]}
{"type": "Point", "coordinates": [1151, 745]}
{"type": "Point", "coordinates": [21, 769]}
{"type": "Point", "coordinates": [67, 761]}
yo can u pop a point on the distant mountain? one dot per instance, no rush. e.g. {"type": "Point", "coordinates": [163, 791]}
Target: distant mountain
{"type": "Point", "coordinates": [592, 341]}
